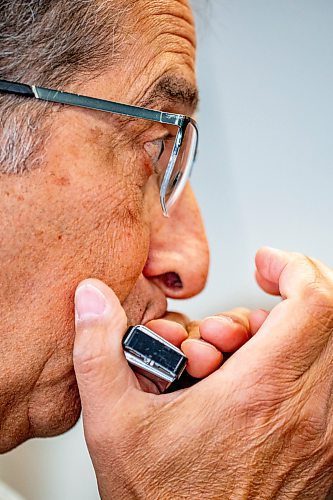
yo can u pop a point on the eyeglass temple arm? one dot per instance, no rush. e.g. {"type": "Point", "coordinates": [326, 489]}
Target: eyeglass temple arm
{"type": "Point", "coordinates": [57, 96]}
{"type": "Point", "coordinates": [16, 88]}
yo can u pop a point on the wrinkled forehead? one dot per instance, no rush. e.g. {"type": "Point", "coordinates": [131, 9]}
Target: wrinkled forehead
{"type": "Point", "coordinates": [159, 70]}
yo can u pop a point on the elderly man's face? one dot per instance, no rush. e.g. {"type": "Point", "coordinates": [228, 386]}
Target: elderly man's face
{"type": "Point", "coordinates": [92, 210]}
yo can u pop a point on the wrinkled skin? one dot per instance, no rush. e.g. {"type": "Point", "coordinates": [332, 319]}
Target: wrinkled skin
{"type": "Point", "coordinates": [92, 210]}
{"type": "Point", "coordinates": [260, 427]}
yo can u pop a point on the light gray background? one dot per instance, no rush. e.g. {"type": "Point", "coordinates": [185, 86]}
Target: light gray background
{"type": "Point", "coordinates": [264, 176]}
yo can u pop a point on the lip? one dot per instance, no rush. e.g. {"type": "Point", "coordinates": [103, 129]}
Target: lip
{"type": "Point", "coordinates": [145, 302]}
{"type": "Point", "coordinates": [155, 309]}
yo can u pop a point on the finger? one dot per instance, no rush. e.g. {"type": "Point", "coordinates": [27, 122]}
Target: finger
{"type": "Point", "coordinates": [227, 331]}
{"type": "Point", "coordinates": [239, 315]}
{"type": "Point", "coordinates": [203, 358]}
{"type": "Point", "coordinates": [299, 328]}
{"type": "Point", "coordinates": [257, 319]}
{"type": "Point", "coordinates": [102, 372]}
{"type": "Point", "coordinates": [193, 330]}
{"type": "Point", "coordinates": [267, 286]}
{"type": "Point", "coordinates": [169, 330]}
{"type": "Point", "coordinates": [290, 272]}
{"type": "Point", "coordinates": [177, 317]}
{"type": "Point", "coordinates": [224, 333]}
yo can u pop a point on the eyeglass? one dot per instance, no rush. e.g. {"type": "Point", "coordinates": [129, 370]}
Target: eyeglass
{"type": "Point", "coordinates": [177, 158]}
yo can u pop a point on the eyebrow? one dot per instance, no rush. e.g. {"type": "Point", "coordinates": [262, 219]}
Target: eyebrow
{"type": "Point", "coordinates": [172, 90]}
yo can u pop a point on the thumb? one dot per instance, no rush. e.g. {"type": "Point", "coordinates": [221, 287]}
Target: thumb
{"type": "Point", "coordinates": [286, 273]}
{"type": "Point", "coordinates": [102, 372]}
{"type": "Point", "coordinates": [297, 330]}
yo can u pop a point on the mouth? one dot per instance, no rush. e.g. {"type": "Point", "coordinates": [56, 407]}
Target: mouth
{"type": "Point", "coordinates": [155, 309]}
{"type": "Point", "coordinates": [145, 302]}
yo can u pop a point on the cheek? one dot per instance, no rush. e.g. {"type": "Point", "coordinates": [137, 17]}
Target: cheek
{"type": "Point", "coordinates": [116, 227]}
{"type": "Point", "coordinates": [81, 215]}
{"type": "Point", "coordinates": [104, 213]}
{"type": "Point", "coordinates": [107, 235]}
{"type": "Point", "coordinates": [63, 226]}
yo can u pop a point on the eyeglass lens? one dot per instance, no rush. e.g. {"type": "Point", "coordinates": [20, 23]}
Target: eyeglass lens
{"type": "Point", "coordinates": [183, 165]}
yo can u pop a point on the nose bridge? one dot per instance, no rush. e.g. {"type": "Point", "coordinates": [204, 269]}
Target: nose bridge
{"type": "Point", "coordinates": [179, 247]}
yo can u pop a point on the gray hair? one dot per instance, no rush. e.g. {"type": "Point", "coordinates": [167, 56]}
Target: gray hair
{"type": "Point", "coordinates": [50, 43]}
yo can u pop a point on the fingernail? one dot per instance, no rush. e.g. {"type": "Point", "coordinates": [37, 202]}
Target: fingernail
{"type": "Point", "coordinates": [221, 320]}
{"type": "Point", "coordinates": [202, 343]}
{"type": "Point", "coordinates": [89, 302]}
{"type": "Point", "coordinates": [276, 251]}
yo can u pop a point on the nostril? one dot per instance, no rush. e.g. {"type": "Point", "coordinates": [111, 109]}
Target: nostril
{"type": "Point", "coordinates": [172, 280]}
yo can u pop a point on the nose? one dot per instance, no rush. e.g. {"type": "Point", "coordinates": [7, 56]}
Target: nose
{"type": "Point", "coordinates": [178, 259]}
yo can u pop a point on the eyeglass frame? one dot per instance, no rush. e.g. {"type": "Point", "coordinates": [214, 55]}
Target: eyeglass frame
{"type": "Point", "coordinates": [117, 108]}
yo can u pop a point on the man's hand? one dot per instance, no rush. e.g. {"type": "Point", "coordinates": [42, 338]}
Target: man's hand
{"type": "Point", "coordinates": [259, 427]}
{"type": "Point", "coordinates": [204, 342]}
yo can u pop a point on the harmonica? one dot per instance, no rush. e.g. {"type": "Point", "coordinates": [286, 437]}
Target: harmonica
{"type": "Point", "coordinates": [152, 356]}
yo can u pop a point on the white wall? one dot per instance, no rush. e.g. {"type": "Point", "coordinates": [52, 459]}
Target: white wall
{"type": "Point", "coordinates": [264, 176]}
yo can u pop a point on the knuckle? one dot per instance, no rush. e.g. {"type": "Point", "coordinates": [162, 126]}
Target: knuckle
{"type": "Point", "coordinates": [308, 267]}
{"type": "Point", "coordinates": [239, 315]}
{"type": "Point", "coordinates": [193, 329]}
{"type": "Point", "coordinates": [318, 287]}
{"type": "Point", "coordinates": [323, 294]}
{"type": "Point", "coordinates": [86, 363]}
{"type": "Point", "coordinates": [318, 296]}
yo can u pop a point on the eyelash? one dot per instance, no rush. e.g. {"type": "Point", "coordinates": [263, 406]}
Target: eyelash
{"type": "Point", "coordinates": [163, 141]}
{"type": "Point", "coordinates": [162, 149]}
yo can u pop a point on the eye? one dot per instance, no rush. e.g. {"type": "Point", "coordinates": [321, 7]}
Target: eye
{"type": "Point", "coordinates": [155, 149]}
{"type": "Point", "coordinates": [159, 152]}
